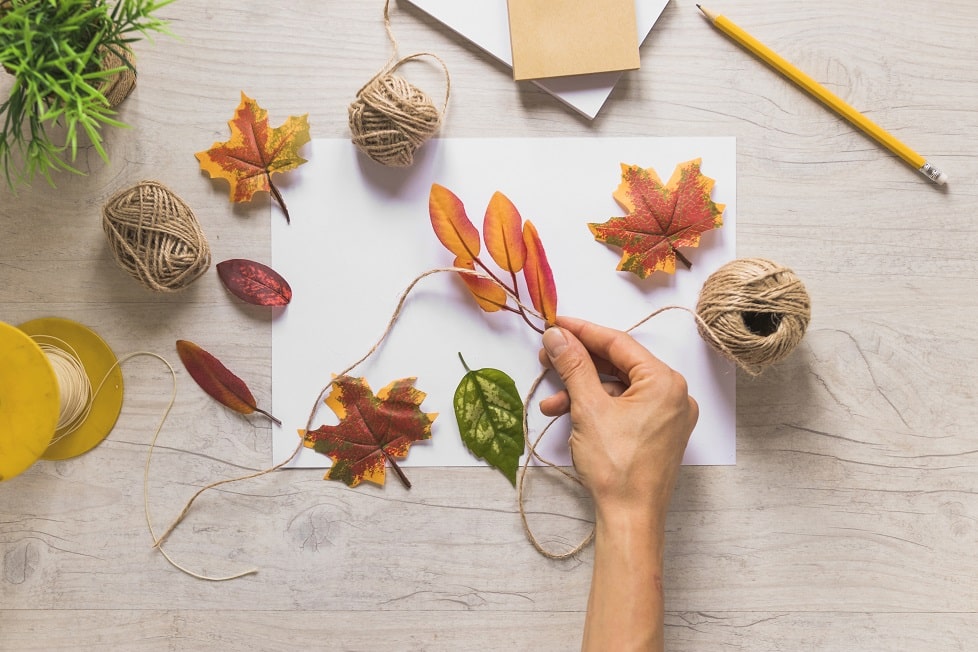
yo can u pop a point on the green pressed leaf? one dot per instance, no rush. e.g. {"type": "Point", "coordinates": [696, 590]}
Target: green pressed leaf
{"type": "Point", "coordinates": [489, 411]}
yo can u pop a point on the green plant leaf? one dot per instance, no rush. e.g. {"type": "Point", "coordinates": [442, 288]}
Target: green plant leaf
{"type": "Point", "coordinates": [489, 411]}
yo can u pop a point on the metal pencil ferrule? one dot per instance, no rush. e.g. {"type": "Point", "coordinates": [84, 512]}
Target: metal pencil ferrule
{"type": "Point", "coordinates": [931, 172]}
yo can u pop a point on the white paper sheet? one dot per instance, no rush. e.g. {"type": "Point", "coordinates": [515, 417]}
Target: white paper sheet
{"type": "Point", "coordinates": [486, 23]}
{"type": "Point", "coordinates": [361, 232]}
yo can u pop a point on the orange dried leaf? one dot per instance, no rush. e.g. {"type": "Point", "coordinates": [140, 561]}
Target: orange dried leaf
{"type": "Point", "coordinates": [217, 380]}
{"type": "Point", "coordinates": [660, 218]}
{"type": "Point", "coordinates": [450, 223]}
{"type": "Point", "coordinates": [373, 430]}
{"type": "Point", "coordinates": [255, 152]}
{"type": "Point", "coordinates": [539, 277]}
{"type": "Point", "coordinates": [502, 230]}
{"type": "Point", "coordinates": [488, 294]}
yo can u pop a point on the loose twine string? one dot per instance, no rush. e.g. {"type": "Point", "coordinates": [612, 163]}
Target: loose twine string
{"type": "Point", "coordinates": [77, 401]}
{"type": "Point", "coordinates": [756, 275]}
{"type": "Point", "coordinates": [390, 117]}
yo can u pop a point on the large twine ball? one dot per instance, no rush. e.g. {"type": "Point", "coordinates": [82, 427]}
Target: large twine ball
{"type": "Point", "coordinates": [754, 312]}
{"type": "Point", "coordinates": [391, 118]}
{"type": "Point", "coordinates": [155, 237]}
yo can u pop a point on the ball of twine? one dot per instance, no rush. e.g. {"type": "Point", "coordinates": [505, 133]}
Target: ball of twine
{"type": "Point", "coordinates": [118, 87]}
{"type": "Point", "coordinates": [754, 312]}
{"type": "Point", "coordinates": [155, 237]}
{"type": "Point", "coordinates": [391, 118]}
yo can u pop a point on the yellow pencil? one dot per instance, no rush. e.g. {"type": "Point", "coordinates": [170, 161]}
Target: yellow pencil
{"type": "Point", "coordinates": [834, 102]}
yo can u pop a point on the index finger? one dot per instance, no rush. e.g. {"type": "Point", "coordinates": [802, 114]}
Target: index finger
{"type": "Point", "coordinates": [617, 347]}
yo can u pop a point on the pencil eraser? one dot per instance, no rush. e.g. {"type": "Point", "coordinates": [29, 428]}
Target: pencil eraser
{"type": "Point", "coordinates": [941, 179]}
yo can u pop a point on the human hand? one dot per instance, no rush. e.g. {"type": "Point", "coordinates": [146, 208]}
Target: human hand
{"type": "Point", "coordinates": [627, 437]}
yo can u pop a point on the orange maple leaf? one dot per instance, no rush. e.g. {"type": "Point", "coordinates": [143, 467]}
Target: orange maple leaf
{"type": "Point", "coordinates": [373, 430]}
{"type": "Point", "coordinates": [256, 151]}
{"type": "Point", "coordinates": [660, 218]}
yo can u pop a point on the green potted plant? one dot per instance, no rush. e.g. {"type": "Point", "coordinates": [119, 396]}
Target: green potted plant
{"type": "Point", "coordinates": [71, 64]}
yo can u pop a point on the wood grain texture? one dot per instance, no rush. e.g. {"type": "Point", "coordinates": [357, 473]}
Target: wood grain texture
{"type": "Point", "coordinates": [850, 521]}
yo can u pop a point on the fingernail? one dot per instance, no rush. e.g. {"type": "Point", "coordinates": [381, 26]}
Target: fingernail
{"type": "Point", "coordinates": [554, 341]}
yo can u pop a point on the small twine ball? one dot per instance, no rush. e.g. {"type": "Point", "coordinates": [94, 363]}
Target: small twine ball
{"type": "Point", "coordinates": [155, 237]}
{"type": "Point", "coordinates": [754, 312]}
{"type": "Point", "coordinates": [391, 118]}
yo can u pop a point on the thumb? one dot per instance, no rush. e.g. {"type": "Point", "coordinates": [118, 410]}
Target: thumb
{"type": "Point", "coordinates": [571, 361]}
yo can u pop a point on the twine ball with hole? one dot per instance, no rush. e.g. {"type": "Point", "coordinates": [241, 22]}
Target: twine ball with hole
{"type": "Point", "coordinates": [754, 312]}
{"type": "Point", "coordinates": [155, 237]}
{"type": "Point", "coordinates": [391, 118]}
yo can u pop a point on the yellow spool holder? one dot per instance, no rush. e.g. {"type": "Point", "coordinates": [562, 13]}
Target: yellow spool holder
{"type": "Point", "coordinates": [97, 359]}
{"type": "Point", "coordinates": [29, 402]}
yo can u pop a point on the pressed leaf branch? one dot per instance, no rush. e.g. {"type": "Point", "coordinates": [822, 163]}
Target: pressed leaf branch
{"type": "Point", "coordinates": [512, 244]}
{"type": "Point", "coordinates": [255, 151]}
{"type": "Point", "coordinates": [661, 218]}
{"type": "Point", "coordinates": [217, 380]}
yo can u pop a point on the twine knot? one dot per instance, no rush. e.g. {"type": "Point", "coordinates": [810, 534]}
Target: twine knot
{"type": "Point", "coordinates": [155, 237]}
{"type": "Point", "coordinates": [754, 312]}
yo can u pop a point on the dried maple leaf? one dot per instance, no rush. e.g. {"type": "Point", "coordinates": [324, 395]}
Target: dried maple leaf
{"type": "Point", "coordinates": [660, 218]}
{"type": "Point", "coordinates": [373, 430]}
{"type": "Point", "coordinates": [255, 152]}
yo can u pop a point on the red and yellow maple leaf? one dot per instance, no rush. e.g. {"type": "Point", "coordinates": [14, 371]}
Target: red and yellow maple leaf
{"type": "Point", "coordinates": [373, 430]}
{"type": "Point", "coordinates": [660, 218]}
{"type": "Point", "coordinates": [255, 152]}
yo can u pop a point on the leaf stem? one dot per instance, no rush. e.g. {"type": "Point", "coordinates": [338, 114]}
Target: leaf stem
{"type": "Point", "coordinates": [267, 414]}
{"type": "Point", "coordinates": [683, 259]}
{"type": "Point", "coordinates": [397, 469]}
{"type": "Point", "coordinates": [467, 370]}
{"type": "Point", "coordinates": [278, 197]}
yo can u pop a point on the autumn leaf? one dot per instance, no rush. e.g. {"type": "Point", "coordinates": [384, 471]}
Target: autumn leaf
{"type": "Point", "coordinates": [502, 231]}
{"type": "Point", "coordinates": [451, 225]}
{"type": "Point", "coordinates": [660, 218]}
{"type": "Point", "coordinates": [217, 380]}
{"type": "Point", "coordinates": [254, 282]}
{"type": "Point", "coordinates": [489, 412]}
{"type": "Point", "coordinates": [539, 277]}
{"type": "Point", "coordinates": [488, 294]}
{"type": "Point", "coordinates": [373, 430]}
{"type": "Point", "coordinates": [255, 152]}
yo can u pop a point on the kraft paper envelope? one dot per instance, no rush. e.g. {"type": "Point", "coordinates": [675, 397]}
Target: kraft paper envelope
{"type": "Point", "coordinates": [554, 38]}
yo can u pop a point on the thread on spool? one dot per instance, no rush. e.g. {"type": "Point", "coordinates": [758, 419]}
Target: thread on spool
{"type": "Point", "coordinates": [391, 118]}
{"type": "Point", "coordinates": [155, 237]}
{"type": "Point", "coordinates": [74, 387]}
{"type": "Point", "coordinates": [754, 312]}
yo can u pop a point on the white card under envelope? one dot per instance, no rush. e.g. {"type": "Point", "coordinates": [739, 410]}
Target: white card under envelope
{"type": "Point", "coordinates": [360, 233]}
{"type": "Point", "coordinates": [486, 23]}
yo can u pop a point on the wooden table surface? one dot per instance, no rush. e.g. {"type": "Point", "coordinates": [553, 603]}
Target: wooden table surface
{"type": "Point", "coordinates": [850, 521]}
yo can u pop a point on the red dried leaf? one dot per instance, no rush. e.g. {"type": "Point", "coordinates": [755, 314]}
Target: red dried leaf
{"type": "Point", "coordinates": [217, 380]}
{"type": "Point", "coordinates": [502, 231]}
{"type": "Point", "coordinates": [660, 218]}
{"type": "Point", "coordinates": [450, 223]}
{"type": "Point", "coordinates": [254, 282]}
{"type": "Point", "coordinates": [539, 276]}
{"type": "Point", "coordinates": [372, 431]}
